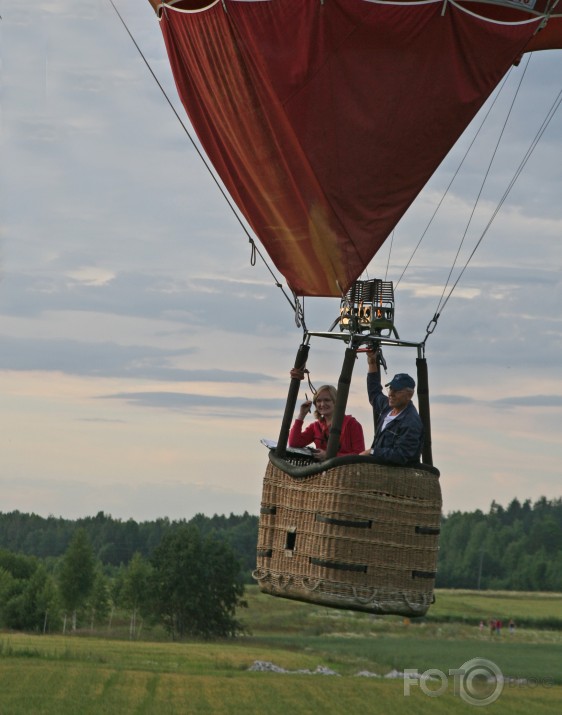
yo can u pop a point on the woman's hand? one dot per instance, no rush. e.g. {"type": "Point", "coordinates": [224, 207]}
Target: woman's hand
{"type": "Point", "coordinates": [304, 409]}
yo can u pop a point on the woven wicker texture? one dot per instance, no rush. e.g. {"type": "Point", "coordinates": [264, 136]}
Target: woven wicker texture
{"type": "Point", "coordinates": [357, 536]}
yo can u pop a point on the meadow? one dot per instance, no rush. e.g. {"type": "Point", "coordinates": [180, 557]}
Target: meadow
{"type": "Point", "coordinates": [344, 656]}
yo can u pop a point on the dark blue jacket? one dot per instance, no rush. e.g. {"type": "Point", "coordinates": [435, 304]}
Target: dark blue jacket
{"type": "Point", "coordinates": [402, 441]}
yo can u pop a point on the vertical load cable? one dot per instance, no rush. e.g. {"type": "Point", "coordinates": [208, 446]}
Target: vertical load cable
{"type": "Point", "coordinates": [297, 309]}
{"type": "Point", "coordinates": [546, 121]}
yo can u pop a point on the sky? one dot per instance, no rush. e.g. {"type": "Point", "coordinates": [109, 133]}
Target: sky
{"type": "Point", "coordinates": [143, 357]}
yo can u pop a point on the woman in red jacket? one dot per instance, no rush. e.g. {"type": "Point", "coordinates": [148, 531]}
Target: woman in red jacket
{"type": "Point", "coordinates": [351, 440]}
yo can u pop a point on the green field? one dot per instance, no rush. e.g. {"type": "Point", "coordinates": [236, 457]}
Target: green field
{"type": "Point", "coordinates": [83, 674]}
{"type": "Point", "coordinates": [538, 609]}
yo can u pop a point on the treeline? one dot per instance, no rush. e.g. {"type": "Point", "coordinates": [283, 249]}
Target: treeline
{"type": "Point", "coordinates": [115, 542]}
{"type": "Point", "coordinates": [518, 548]}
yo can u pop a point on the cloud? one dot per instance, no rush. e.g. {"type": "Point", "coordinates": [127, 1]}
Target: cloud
{"type": "Point", "coordinates": [92, 275]}
{"type": "Point", "coordinates": [452, 399]}
{"type": "Point", "coordinates": [524, 401]}
{"type": "Point", "coordinates": [213, 405]}
{"type": "Point", "coordinates": [240, 306]}
{"type": "Point", "coordinates": [100, 420]}
{"type": "Point", "coordinates": [529, 401]}
{"type": "Point", "coordinates": [112, 360]}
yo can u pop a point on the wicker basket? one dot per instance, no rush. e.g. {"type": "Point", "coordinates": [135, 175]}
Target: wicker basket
{"type": "Point", "coordinates": [350, 534]}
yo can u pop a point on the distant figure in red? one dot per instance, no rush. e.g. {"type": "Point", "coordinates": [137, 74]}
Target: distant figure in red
{"type": "Point", "coordinates": [499, 626]}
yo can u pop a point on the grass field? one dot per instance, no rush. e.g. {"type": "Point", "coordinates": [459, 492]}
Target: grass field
{"type": "Point", "coordinates": [524, 608]}
{"type": "Point", "coordinates": [79, 675]}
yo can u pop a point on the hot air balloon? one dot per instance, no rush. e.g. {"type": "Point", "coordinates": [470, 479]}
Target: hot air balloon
{"type": "Point", "coordinates": [324, 119]}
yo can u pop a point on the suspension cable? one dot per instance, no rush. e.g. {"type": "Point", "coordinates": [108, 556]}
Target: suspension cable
{"type": "Point", "coordinates": [546, 122]}
{"type": "Point", "coordinates": [550, 114]}
{"type": "Point", "coordinates": [294, 302]}
{"type": "Point", "coordinates": [445, 193]}
{"type": "Point", "coordinates": [484, 180]}
{"type": "Point", "coordinates": [389, 254]}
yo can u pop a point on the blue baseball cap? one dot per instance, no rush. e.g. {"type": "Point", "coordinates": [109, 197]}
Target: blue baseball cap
{"type": "Point", "coordinates": [401, 381]}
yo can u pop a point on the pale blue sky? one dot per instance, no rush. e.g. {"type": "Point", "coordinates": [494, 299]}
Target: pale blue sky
{"type": "Point", "coordinates": [143, 358]}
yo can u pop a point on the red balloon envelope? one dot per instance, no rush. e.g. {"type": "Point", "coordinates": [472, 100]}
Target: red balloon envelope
{"type": "Point", "coordinates": [324, 119]}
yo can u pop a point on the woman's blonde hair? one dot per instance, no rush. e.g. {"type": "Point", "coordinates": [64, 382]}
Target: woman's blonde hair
{"type": "Point", "coordinates": [331, 390]}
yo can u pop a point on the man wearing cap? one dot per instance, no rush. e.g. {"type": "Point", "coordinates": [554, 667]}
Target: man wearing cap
{"type": "Point", "coordinates": [398, 427]}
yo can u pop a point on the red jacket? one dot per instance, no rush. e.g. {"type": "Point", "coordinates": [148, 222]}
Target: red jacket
{"type": "Point", "coordinates": [351, 440]}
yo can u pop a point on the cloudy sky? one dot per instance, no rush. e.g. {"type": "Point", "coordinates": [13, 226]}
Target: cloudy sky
{"type": "Point", "coordinates": [142, 356]}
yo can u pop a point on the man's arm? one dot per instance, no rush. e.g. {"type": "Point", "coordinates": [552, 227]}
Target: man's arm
{"type": "Point", "coordinates": [377, 398]}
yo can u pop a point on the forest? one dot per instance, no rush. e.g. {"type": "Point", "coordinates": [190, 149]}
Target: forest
{"type": "Point", "coordinates": [189, 576]}
{"type": "Point", "coordinates": [518, 547]}
{"type": "Point", "coordinates": [191, 586]}
{"type": "Point", "coordinates": [115, 542]}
